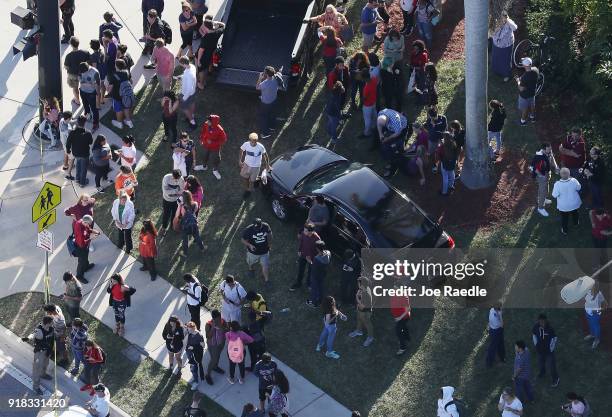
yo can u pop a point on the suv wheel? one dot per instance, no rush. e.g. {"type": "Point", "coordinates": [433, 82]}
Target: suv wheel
{"type": "Point", "coordinates": [279, 209]}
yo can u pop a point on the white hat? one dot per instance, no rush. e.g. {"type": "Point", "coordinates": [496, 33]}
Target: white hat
{"type": "Point", "coordinates": [526, 62]}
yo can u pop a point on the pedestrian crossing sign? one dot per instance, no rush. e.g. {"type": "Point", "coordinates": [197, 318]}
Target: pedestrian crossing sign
{"type": "Point", "coordinates": [49, 197]}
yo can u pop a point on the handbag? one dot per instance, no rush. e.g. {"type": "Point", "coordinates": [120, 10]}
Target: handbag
{"type": "Point", "coordinates": [71, 245]}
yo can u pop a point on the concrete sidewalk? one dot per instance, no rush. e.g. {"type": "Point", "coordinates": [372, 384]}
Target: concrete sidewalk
{"type": "Point", "coordinates": [22, 264]}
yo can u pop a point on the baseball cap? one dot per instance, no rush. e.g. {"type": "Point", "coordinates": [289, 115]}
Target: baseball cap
{"type": "Point", "coordinates": [526, 62]}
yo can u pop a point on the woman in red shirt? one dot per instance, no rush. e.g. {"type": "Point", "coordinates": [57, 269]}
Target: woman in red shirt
{"type": "Point", "coordinates": [118, 299]}
{"type": "Point", "coordinates": [331, 47]}
{"type": "Point", "coordinates": [94, 358]}
{"type": "Point", "coordinates": [148, 247]}
{"type": "Point", "coordinates": [84, 206]}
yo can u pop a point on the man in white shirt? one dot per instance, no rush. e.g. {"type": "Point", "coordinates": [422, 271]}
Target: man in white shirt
{"type": "Point", "coordinates": [496, 336]}
{"type": "Point", "coordinates": [252, 155]}
{"type": "Point", "coordinates": [233, 295]}
{"type": "Point", "coordinates": [188, 90]}
{"type": "Point", "coordinates": [193, 289]}
{"type": "Point", "coordinates": [99, 405]}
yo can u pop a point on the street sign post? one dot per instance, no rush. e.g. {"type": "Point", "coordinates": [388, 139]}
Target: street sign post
{"type": "Point", "coordinates": [45, 241]}
{"type": "Point", "coordinates": [47, 220]}
{"type": "Point", "coordinates": [49, 197]}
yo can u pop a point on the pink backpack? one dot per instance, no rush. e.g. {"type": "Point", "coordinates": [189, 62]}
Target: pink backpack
{"type": "Point", "coordinates": [235, 350]}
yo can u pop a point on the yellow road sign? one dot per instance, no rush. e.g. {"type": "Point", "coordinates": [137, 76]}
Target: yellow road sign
{"type": "Point", "coordinates": [50, 196]}
{"type": "Point", "coordinates": [47, 220]}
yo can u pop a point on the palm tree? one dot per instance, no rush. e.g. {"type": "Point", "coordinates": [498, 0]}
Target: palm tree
{"type": "Point", "coordinates": [476, 172]}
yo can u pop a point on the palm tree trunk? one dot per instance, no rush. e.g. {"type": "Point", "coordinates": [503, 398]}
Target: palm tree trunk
{"type": "Point", "coordinates": [476, 172]}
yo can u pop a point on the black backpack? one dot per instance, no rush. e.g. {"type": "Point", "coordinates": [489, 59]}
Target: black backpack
{"type": "Point", "coordinates": [204, 296]}
{"type": "Point", "coordinates": [165, 27]}
{"type": "Point", "coordinates": [188, 221]}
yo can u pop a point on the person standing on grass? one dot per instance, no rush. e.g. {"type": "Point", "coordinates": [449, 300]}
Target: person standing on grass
{"type": "Point", "coordinates": [333, 111]}
{"type": "Point", "coordinates": [148, 247]}
{"type": "Point", "coordinates": [594, 169]}
{"type": "Point", "coordinates": [339, 73]}
{"type": "Point", "coordinates": [258, 306]}
{"type": "Point", "coordinates": [447, 155]}
{"type": "Point", "coordinates": [101, 155]}
{"type": "Point", "coordinates": [119, 298]}
{"type": "Point", "coordinates": [527, 84]}
{"type": "Point", "coordinates": [89, 89]}
{"type": "Point", "coordinates": [252, 156]}
{"type": "Point", "coordinates": [236, 339]}
{"type": "Point", "coordinates": [318, 271]}
{"type": "Point", "coordinates": [601, 228]}
{"type": "Point", "coordinates": [72, 64]}
{"type": "Point", "coordinates": [522, 372]}
{"type": "Point", "coordinates": [163, 59]}
{"type": "Point", "coordinates": [573, 152]}
{"type": "Point", "coordinates": [496, 124]}
{"type": "Point", "coordinates": [330, 319]}
{"type": "Point", "coordinates": [187, 23]}
{"type": "Point", "coordinates": [192, 184]}
{"type": "Point", "coordinates": [255, 329]}
{"type": "Point", "coordinates": [195, 353]}
{"type": "Point", "coordinates": [496, 336]}
{"type": "Point", "coordinates": [542, 164]}
{"type": "Point", "coordinates": [369, 99]}
{"type": "Point", "coordinates": [566, 191]}
{"type": "Point", "coordinates": [188, 90]}
{"type": "Point", "coordinates": [318, 214]}
{"type": "Point", "coordinates": [307, 238]}
{"type": "Point", "coordinates": [212, 138]}
{"type": "Point", "coordinates": [73, 294]}
{"type": "Point", "coordinates": [233, 294]}
{"type": "Point", "coordinates": [358, 65]}
{"type": "Point", "coordinates": [59, 333]}
{"type": "Point", "coordinates": [436, 125]}
{"type": "Point", "coordinates": [43, 346]}
{"type": "Point", "coordinates": [408, 8]}
{"type": "Point", "coordinates": [331, 45]}
{"type": "Point", "coordinates": [193, 409]}
{"type": "Point", "coordinates": [174, 336]}
{"type": "Point", "coordinates": [83, 231]}
{"type": "Point", "coordinates": [257, 237]}
{"type": "Point", "coordinates": [545, 342]}
{"type": "Point", "coordinates": [446, 403]}
{"type": "Point", "coordinates": [268, 84]}
{"type": "Point", "coordinates": [78, 337]}
{"type": "Point", "coordinates": [264, 371]}
{"type": "Point", "coordinates": [172, 189]}
{"type": "Point", "coordinates": [425, 12]}
{"type": "Point", "coordinates": [187, 148]}
{"type": "Point", "coordinates": [594, 305]}
{"type": "Point", "coordinates": [94, 359]}
{"type": "Point", "coordinates": [99, 405]}
{"type": "Point", "coordinates": [394, 46]}
{"type": "Point", "coordinates": [188, 221]}
{"type": "Point", "coordinates": [194, 291]}
{"type": "Point", "coordinates": [577, 405]}
{"type": "Point", "coordinates": [351, 270]}
{"type": "Point", "coordinates": [278, 400]}
{"type": "Point", "coordinates": [364, 303]}
{"type": "Point", "coordinates": [509, 404]}
{"type": "Point", "coordinates": [369, 21]}
{"type": "Point", "coordinates": [78, 143]}
{"type": "Point", "coordinates": [123, 214]}
{"type": "Point", "coordinates": [123, 95]}
{"type": "Point", "coordinates": [170, 105]}
{"type": "Point", "coordinates": [503, 44]}
{"type": "Point", "coordinates": [400, 310]}
{"type": "Point", "coordinates": [215, 330]}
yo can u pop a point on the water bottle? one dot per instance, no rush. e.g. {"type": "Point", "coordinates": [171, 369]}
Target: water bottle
{"type": "Point", "coordinates": [285, 310]}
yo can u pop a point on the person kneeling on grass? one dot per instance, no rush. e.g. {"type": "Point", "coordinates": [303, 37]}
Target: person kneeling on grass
{"type": "Point", "coordinates": [328, 335]}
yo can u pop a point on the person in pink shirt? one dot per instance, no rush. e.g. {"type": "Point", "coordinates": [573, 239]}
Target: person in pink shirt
{"type": "Point", "coordinates": [236, 339]}
{"type": "Point", "coordinates": [163, 59]}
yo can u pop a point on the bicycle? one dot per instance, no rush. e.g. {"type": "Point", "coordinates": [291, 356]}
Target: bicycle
{"type": "Point", "coordinates": [540, 54]}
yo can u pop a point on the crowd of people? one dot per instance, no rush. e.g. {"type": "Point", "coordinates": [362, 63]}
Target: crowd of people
{"type": "Point", "coordinates": [376, 85]}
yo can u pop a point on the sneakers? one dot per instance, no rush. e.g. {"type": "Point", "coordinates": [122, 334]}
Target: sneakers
{"type": "Point", "coordinates": [400, 352]}
{"type": "Point", "coordinates": [219, 370]}
{"type": "Point", "coordinates": [46, 376]}
{"type": "Point", "coordinates": [216, 174]}
{"type": "Point", "coordinates": [556, 383]}
{"type": "Point", "coordinates": [74, 371]}
{"type": "Point", "coordinates": [310, 304]}
{"type": "Point", "coordinates": [150, 66]}
{"type": "Point", "coordinates": [589, 337]}
{"type": "Point", "coordinates": [38, 391]}
{"type": "Point", "coordinates": [69, 177]}
{"type": "Point", "coordinates": [547, 202]}
{"type": "Point", "coordinates": [240, 381]}
{"type": "Point", "coordinates": [117, 124]}
{"type": "Point", "coordinates": [129, 124]}
{"type": "Point", "coordinates": [563, 232]}
{"type": "Point", "coordinates": [100, 190]}
{"type": "Point", "coordinates": [231, 380]}
{"type": "Point", "coordinates": [208, 379]}
{"type": "Point", "coordinates": [318, 348]}
{"type": "Point", "coordinates": [543, 212]}
{"type": "Point", "coordinates": [368, 341]}
{"type": "Point", "coordinates": [194, 386]}
{"type": "Point", "coordinates": [595, 344]}
{"type": "Point", "coordinates": [294, 287]}
{"type": "Point", "coordinates": [355, 333]}
{"type": "Point", "coordinates": [523, 123]}
{"type": "Point", "coordinates": [332, 355]}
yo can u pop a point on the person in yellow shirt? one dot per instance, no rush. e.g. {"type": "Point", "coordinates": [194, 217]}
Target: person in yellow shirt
{"type": "Point", "coordinates": [258, 305]}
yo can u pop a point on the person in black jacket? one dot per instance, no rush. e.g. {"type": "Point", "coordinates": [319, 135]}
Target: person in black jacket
{"type": "Point", "coordinates": [351, 270]}
{"type": "Point", "coordinates": [78, 142]}
{"type": "Point", "coordinates": [594, 170]}
{"type": "Point", "coordinates": [147, 6]}
{"type": "Point", "coordinates": [496, 124]}
{"type": "Point", "coordinates": [333, 110]}
{"type": "Point", "coordinates": [545, 341]}
{"type": "Point", "coordinates": [67, 9]}
{"type": "Point", "coordinates": [153, 32]}
{"type": "Point", "coordinates": [392, 80]}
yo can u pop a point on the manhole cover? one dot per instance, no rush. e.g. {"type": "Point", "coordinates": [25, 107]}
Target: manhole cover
{"type": "Point", "coordinates": [135, 353]}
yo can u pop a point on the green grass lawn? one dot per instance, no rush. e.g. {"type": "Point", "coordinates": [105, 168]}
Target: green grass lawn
{"type": "Point", "coordinates": [447, 345]}
{"type": "Point", "coordinates": [145, 389]}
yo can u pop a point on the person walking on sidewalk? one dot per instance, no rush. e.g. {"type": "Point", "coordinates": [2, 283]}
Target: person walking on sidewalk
{"type": "Point", "coordinates": [264, 371]}
{"type": "Point", "coordinates": [119, 299]}
{"type": "Point", "coordinates": [306, 252]}
{"type": "Point", "coordinates": [174, 335]}
{"type": "Point", "coordinates": [278, 400]}
{"type": "Point", "coordinates": [99, 405]}
{"type": "Point", "coordinates": [84, 206]}
{"type": "Point", "coordinates": [94, 359]}
{"type": "Point", "coordinates": [236, 339]}
{"type": "Point", "coordinates": [78, 337]}
{"type": "Point", "coordinates": [320, 263]}
{"type": "Point", "coordinates": [215, 330]}
{"type": "Point", "coordinates": [101, 155]}
{"type": "Point", "coordinates": [233, 294]}
{"type": "Point", "coordinates": [330, 319]}
{"type": "Point", "coordinates": [186, 218]}
{"type": "Point", "coordinates": [148, 247]}
{"type": "Point", "coordinates": [212, 138]}
{"type": "Point", "coordinates": [43, 346]}
{"type": "Point", "coordinates": [123, 214]}
{"type": "Point", "coordinates": [545, 341]}
{"type": "Point", "coordinates": [566, 191]}
{"type": "Point", "coordinates": [400, 310]}
{"type": "Point", "coordinates": [268, 84]}
{"type": "Point", "coordinates": [59, 333]}
{"type": "Point", "coordinates": [522, 372]}
{"type": "Point", "coordinates": [188, 90]}
{"type": "Point", "coordinates": [252, 156]}
{"type": "Point", "coordinates": [364, 302]}
{"type": "Point", "coordinates": [195, 353]}
{"type": "Point", "coordinates": [257, 238]}
{"type": "Point", "coordinates": [78, 143]}
{"type": "Point", "coordinates": [73, 294]}
{"type": "Point", "coordinates": [71, 65]}
{"type": "Point", "coordinates": [197, 295]}
{"type": "Point", "coordinates": [83, 233]}
{"type": "Point", "coordinates": [542, 164]}
{"type": "Point", "coordinates": [89, 89]}
{"type": "Point", "coordinates": [496, 336]}
{"type": "Point", "coordinates": [172, 189]}
{"type": "Point", "coordinates": [594, 306]}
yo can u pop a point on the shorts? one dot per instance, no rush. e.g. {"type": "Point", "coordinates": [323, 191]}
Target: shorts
{"type": "Point", "coordinates": [186, 104]}
{"type": "Point", "coordinates": [525, 103]}
{"type": "Point", "coordinates": [73, 81]}
{"type": "Point", "coordinates": [264, 259]}
{"type": "Point", "coordinates": [263, 392]}
{"type": "Point", "coordinates": [368, 39]}
{"type": "Point", "coordinates": [117, 106]}
{"type": "Point", "coordinates": [249, 173]}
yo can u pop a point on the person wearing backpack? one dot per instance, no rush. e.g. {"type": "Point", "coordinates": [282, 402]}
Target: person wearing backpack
{"type": "Point", "coordinates": [233, 294]}
{"type": "Point", "coordinates": [187, 222]}
{"type": "Point", "coordinates": [264, 370]}
{"type": "Point", "coordinates": [94, 359]}
{"type": "Point", "coordinates": [197, 296]}
{"type": "Point", "coordinates": [195, 353]}
{"type": "Point", "coordinates": [236, 339]}
{"type": "Point", "coordinates": [446, 403]}
{"type": "Point", "coordinates": [154, 30]}
{"type": "Point", "coordinates": [278, 400]}
{"type": "Point", "coordinates": [122, 94]}
{"type": "Point", "coordinates": [541, 165]}
{"type": "Point", "coordinates": [215, 330]}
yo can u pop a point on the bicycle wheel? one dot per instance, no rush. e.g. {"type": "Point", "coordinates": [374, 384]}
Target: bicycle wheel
{"type": "Point", "coordinates": [539, 83]}
{"type": "Point", "coordinates": [526, 48]}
